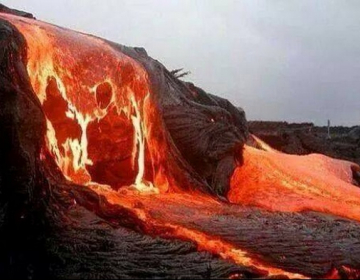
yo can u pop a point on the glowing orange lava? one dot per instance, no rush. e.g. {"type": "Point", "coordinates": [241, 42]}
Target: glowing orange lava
{"type": "Point", "coordinates": [104, 132]}
{"type": "Point", "coordinates": [78, 65]}
{"type": "Point", "coordinates": [281, 182]}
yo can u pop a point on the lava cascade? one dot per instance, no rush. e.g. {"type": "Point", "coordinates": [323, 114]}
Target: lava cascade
{"type": "Point", "coordinates": [104, 132]}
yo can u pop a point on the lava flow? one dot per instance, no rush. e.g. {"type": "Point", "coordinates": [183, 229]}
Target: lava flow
{"type": "Point", "coordinates": [287, 183]}
{"type": "Point", "coordinates": [89, 92]}
{"type": "Point", "coordinates": [105, 132]}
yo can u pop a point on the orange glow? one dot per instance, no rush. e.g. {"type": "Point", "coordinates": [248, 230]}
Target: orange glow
{"type": "Point", "coordinates": [351, 273]}
{"type": "Point", "coordinates": [160, 221]}
{"type": "Point", "coordinates": [281, 182]}
{"type": "Point", "coordinates": [71, 67]}
{"type": "Point", "coordinates": [105, 132]}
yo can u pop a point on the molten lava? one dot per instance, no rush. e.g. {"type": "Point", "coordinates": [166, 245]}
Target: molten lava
{"type": "Point", "coordinates": [281, 182]}
{"type": "Point", "coordinates": [140, 184]}
{"type": "Point", "coordinates": [94, 83]}
{"type": "Point", "coordinates": [105, 132]}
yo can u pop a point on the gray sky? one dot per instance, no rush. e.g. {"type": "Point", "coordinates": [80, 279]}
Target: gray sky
{"type": "Point", "coordinates": [278, 59]}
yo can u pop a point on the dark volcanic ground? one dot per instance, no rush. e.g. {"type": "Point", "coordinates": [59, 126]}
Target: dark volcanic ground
{"type": "Point", "coordinates": [51, 228]}
{"type": "Point", "coordinates": [305, 138]}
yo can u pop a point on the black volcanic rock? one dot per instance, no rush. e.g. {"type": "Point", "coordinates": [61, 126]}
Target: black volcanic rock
{"type": "Point", "coordinates": [43, 234]}
{"type": "Point", "coordinates": [354, 134]}
{"type": "Point", "coordinates": [305, 138]}
{"type": "Point", "coordinates": [4, 9]}
{"type": "Point", "coordinates": [53, 228]}
{"type": "Point", "coordinates": [208, 130]}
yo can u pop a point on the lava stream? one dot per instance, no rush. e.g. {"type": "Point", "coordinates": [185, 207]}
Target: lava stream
{"type": "Point", "coordinates": [101, 116]}
{"type": "Point", "coordinates": [140, 184]}
{"type": "Point", "coordinates": [175, 214]}
{"type": "Point", "coordinates": [281, 182]}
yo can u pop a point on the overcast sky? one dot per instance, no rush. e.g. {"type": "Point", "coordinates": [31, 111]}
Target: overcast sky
{"type": "Point", "coordinates": [278, 59]}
